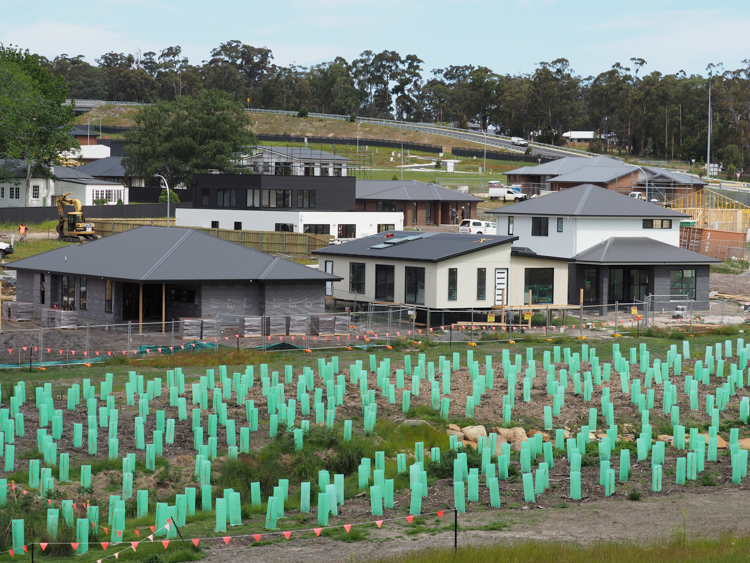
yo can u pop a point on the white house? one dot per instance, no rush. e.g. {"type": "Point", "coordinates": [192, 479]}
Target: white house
{"type": "Point", "coordinates": [294, 161]}
{"type": "Point", "coordinates": [339, 224]}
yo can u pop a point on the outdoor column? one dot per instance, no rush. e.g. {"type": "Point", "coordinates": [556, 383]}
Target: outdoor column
{"type": "Point", "coordinates": [140, 308]}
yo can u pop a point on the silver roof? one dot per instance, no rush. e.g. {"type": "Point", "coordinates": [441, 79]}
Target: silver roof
{"type": "Point", "coordinates": [160, 254]}
{"type": "Point", "coordinates": [299, 153]}
{"type": "Point", "coordinates": [640, 250]}
{"type": "Point", "coordinates": [587, 201]}
{"type": "Point", "coordinates": [412, 190]}
{"type": "Point", "coordinates": [109, 167]}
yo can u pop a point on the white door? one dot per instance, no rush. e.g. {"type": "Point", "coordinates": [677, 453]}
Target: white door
{"type": "Point", "coordinates": [329, 270]}
{"type": "Point", "coordinates": [501, 286]}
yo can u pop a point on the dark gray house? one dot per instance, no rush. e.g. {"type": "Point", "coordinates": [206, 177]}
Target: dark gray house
{"type": "Point", "coordinates": [160, 274]}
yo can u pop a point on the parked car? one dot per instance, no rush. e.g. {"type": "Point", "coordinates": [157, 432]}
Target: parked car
{"type": "Point", "coordinates": [519, 142]}
{"type": "Point", "coordinates": [506, 194]}
{"type": "Point", "coordinates": [477, 227]}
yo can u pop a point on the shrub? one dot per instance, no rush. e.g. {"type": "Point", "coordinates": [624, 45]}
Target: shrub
{"type": "Point", "coordinates": [634, 495]}
{"type": "Point", "coordinates": [303, 112]}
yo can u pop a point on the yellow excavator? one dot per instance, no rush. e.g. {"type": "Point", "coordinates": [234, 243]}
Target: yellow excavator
{"type": "Point", "coordinates": [73, 227]}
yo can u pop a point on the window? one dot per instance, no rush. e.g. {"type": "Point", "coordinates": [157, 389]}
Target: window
{"type": "Point", "coordinates": [226, 198]}
{"type": "Point", "coordinates": [35, 192]}
{"type": "Point", "coordinates": [657, 223]}
{"type": "Point", "coordinates": [540, 281]}
{"type": "Point", "coordinates": [205, 197]}
{"type": "Point", "coordinates": [253, 198]}
{"type": "Point", "coordinates": [214, 224]}
{"type": "Point", "coordinates": [539, 226]}
{"type": "Point", "coordinates": [638, 284]}
{"type": "Point", "coordinates": [337, 169]}
{"type": "Point", "coordinates": [386, 227]}
{"type": "Point", "coordinates": [238, 225]}
{"type": "Point", "coordinates": [616, 285]}
{"type": "Point", "coordinates": [414, 292]}
{"type": "Point", "coordinates": [277, 198]}
{"type": "Point", "coordinates": [324, 170]}
{"type": "Point", "coordinates": [357, 277]}
{"type": "Point", "coordinates": [318, 229]}
{"type": "Point", "coordinates": [682, 283]}
{"type": "Point", "coordinates": [282, 169]}
{"type": "Point", "coordinates": [452, 284]}
{"type": "Point", "coordinates": [284, 227]}
{"type": "Point", "coordinates": [182, 295]}
{"type": "Point", "coordinates": [83, 293]}
{"type": "Point", "coordinates": [384, 282]}
{"type": "Point", "coordinates": [137, 183]}
{"type": "Point", "coordinates": [510, 225]}
{"type": "Point", "coordinates": [347, 231]}
{"type": "Point", "coordinates": [428, 213]}
{"type": "Point", "coordinates": [14, 193]}
{"type": "Point", "coordinates": [42, 289]}
{"type": "Point", "coordinates": [559, 224]}
{"type": "Point", "coordinates": [108, 296]}
{"type": "Point", "coordinates": [386, 206]}
{"type": "Point", "coordinates": [2, 192]}
{"type": "Point", "coordinates": [414, 212]}
{"type": "Point", "coordinates": [68, 293]}
{"type": "Point", "coordinates": [309, 169]}
{"type": "Point", "coordinates": [481, 284]}
{"type": "Point", "coordinates": [590, 285]}
{"type": "Point", "coordinates": [305, 198]}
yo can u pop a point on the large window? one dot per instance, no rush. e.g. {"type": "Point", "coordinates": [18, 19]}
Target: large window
{"type": "Point", "coordinates": [318, 229]}
{"type": "Point", "coordinates": [541, 283]}
{"type": "Point", "coordinates": [616, 284]}
{"type": "Point", "coordinates": [305, 198]}
{"type": "Point", "coordinates": [226, 198]}
{"type": "Point", "coordinates": [657, 223]}
{"type": "Point", "coordinates": [357, 278]}
{"type": "Point", "coordinates": [347, 231]}
{"type": "Point", "coordinates": [481, 284]}
{"type": "Point", "coordinates": [590, 285]}
{"type": "Point", "coordinates": [108, 296]}
{"type": "Point", "coordinates": [539, 226]}
{"type": "Point", "coordinates": [325, 169]}
{"type": "Point", "coordinates": [510, 225]}
{"type": "Point", "coordinates": [384, 282]}
{"type": "Point", "coordinates": [382, 227]}
{"type": "Point", "coordinates": [638, 284]}
{"type": "Point", "coordinates": [284, 227]}
{"type": "Point", "coordinates": [14, 193]}
{"type": "Point", "coordinates": [452, 284]}
{"type": "Point", "coordinates": [276, 198]}
{"type": "Point", "coordinates": [414, 285]}
{"type": "Point", "coordinates": [42, 288]}
{"type": "Point", "coordinates": [68, 293]}
{"type": "Point", "coordinates": [682, 283]}
{"type": "Point", "coordinates": [253, 198]}
{"type": "Point", "coordinates": [428, 213]}
{"type": "Point", "coordinates": [414, 212]}
{"type": "Point", "coordinates": [386, 206]}
{"type": "Point", "coordinates": [83, 293]}
{"type": "Point", "coordinates": [206, 197]}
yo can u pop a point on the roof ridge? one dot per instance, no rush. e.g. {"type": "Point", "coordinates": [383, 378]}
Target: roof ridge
{"type": "Point", "coordinates": [269, 267]}
{"type": "Point", "coordinates": [582, 201]}
{"type": "Point", "coordinates": [168, 253]}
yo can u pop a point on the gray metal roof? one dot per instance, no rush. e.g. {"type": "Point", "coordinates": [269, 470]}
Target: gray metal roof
{"type": "Point", "coordinates": [159, 254]}
{"type": "Point", "coordinates": [77, 176]}
{"type": "Point", "coordinates": [301, 153]}
{"type": "Point", "coordinates": [591, 174]}
{"type": "Point", "coordinates": [673, 176]}
{"type": "Point", "coordinates": [587, 201]}
{"type": "Point", "coordinates": [423, 246]}
{"type": "Point", "coordinates": [563, 166]}
{"type": "Point", "coordinates": [640, 250]}
{"type": "Point", "coordinates": [411, 190]}
{"type": "Point", "coordinates": [110, 167]}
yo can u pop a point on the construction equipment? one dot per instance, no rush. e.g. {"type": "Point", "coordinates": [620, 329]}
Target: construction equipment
{"type": "Point", "coordinates": [73, 227]}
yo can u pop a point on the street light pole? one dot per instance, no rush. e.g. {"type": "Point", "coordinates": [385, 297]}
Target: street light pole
{"type": "Point", "coordinates": [402, 162]}
{"type": "Point", "coordinates": [163, 179]}
{"type": "Point", "coordinates": [484, 168]}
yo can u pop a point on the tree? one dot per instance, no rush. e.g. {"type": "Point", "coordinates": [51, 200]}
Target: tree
{"type": "Point", "coordinates": [34, 123]}
{"type": "Point", "coordinates": [173, 197]}
{"type": "Point", "coordinates": [187, 136]}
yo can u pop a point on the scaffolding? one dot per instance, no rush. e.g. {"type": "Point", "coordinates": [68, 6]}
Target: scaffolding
{"type": "Point", "coordinates": [714, 211]}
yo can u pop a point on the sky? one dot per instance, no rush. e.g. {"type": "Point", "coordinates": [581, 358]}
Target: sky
{"type": "Point", "coordinates": [508, 36]}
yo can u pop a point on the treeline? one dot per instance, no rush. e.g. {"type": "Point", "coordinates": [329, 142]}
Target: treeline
{"type": "Point", "coordinates": [638, 111]}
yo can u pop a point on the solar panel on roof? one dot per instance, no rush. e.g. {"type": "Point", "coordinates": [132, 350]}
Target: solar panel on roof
{"type": "Point", "coordinates": [379, 246]}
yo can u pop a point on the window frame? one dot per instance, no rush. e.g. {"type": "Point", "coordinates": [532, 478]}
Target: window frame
{"type": "Point", "coordinates": [538, 297]}
{"type": "Point", "coordinates": [691, 291]}
{"type": "Point", "coordinates": [306, 199]}
{"type": "Point", "coordinates": [68, 285]}
{"type": "Point", "coordinates": [317, 228]}
{"type": "Point", "coordinates": [252, 199]}
{"type": "Point", "coordinates": [357, 270]}
{"type": "Point", "coordinates": [83, 293]}
{"type": "Point", "coordinates": [481, 284]}
{"type": "Point", "coordinates": [347, 228]}
{"type": "Point", "coordinates": [381, 294]}
{"type": "Point", "coordinates": [540, 226]}
{"type": "Point", "coordinates": [511, 225]}
{"type": "Point", "coordinates": [452, 284]}
{"type": "Point", "coordinates": [415, 272]}
{"type": "Point", "coordinates": [108, 292]}
{"type": "Point", "coordinates": [559, 224]}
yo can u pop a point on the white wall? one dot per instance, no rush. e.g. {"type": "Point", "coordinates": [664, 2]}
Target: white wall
{"type": "Point", "coordinates": [366, 221]}
{"type": "Point", "coordinates": [87, 193]}
{"type": "Point", "coordinates": [46, 190]}
{"type": "Point", "coordinates": [517, 279]}
{"type": "Point", "coordinates": [581, 233]}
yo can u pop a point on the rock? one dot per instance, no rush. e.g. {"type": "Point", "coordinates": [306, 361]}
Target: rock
{"type": "Point", "coordinates": [744, 443]}
{"type": "Point", "coordinates": [473, 433]}
{"type": "Point", "coordinates": [516, 446]}
{"type": "Point", "coordinates": [627, 438]}
{"type": "Point", "coordinates": [568, 434]}
{"type": "Point", "coordinates": [664, 438]}
{"type": "Point", "coordinates": [455, 427]}
{"type": "Point", "coordinates": [545, 436]}
{"type": "Point", "coordinates": [519, 434]}
{"type": "Point", "coordinates": [601, 436]}
{"type": "Point", "coordinates": [459, 435]}
{"type": "Point", "coordinates": [592, 437]}
{"type": "Point", "coordinates": [468, 444]}
{"type": "Point", "coordinates": [506, 433]}
{"type": "Point", "coordinates": [721, 444]}
{"type": "Point", "coordinates": [500, 441]}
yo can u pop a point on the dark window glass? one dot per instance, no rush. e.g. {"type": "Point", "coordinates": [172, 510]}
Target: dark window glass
{"type": "Point", "coordinates": [68, 293]}
{"type": "Point", "coordinates": [214, 224]}
{"type": "Point", "coordinates": [452, 284]}
{"type": "Point", "coordinates": [648, 223]}
{"type": "Point", "coordinates": [682, 283]}
{"type": "Point", "coordinates": [616, 284]}
{"type": "Point", "coordinates": [414, 212]}
{"type": "Point", "coordinates": [384, 282]}
{"type": "Point", "coordinates": [42, 288]}
{"type": "Point", "coordinates": [238, 225]}
{"type": "Point", "coordinates": [108, 296]}
{"type": "Point", "coordinates": [638, 284]}
{"type": "Point", "coordinates": [324, 169]}
{"type": "Point", "coordinates": [386, 206]}
{"type": "Point", "coordinates": [305, 198]}
{"type": "Point", "coordinates": [83, 293]}
{"type": "Point", "coordinates": [386, 227]}
{"type": "Point", "coordinates": [481, 284]}
{"type": "Point", "coordinates": [318, 229]}
{"type": "Point", "coordinates": [347, 231]}
{"type": "Point", "coordinates": [276, 198]}
{"type": "Point", "coordinates": [590, 285]}
{"type": "Point", "coordinates": [559, 224]}
{"type": "Point", "coordinates": [539, 226]}
{"type": "Point", "coordinates": [428, 212]}
{"type": "Point", "coordinates": [357, 278]}
{"type": "Point", "coordinates": [206, 197]}
{"type": "Point", "coordinates": [510, 225]}
{"type": "Point", "coordinates": [284, 227]}
{"type": "Point", "coordinates": [540, 281]}
{"type": "Point", "coordinates": [414, 291]}
{"type": "Point", "coordinates": [226, 198]}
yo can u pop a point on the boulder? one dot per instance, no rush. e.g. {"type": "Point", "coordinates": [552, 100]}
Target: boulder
{"type": "Point", "coordinates": [519, 434]}
{"type": "Point", "coordinates": [744, 443]}
{"type": "Point", "coordinates": [473, 433]}
{"type": "Point", "coordinates": [459, 435]}
{"type": "Point", "coordinates": [568, 434]}
{"type": "Point", "coordinates": [506, 433]}
{"type": "Point", "coordinates": [468, 444]}
{"type": "Point", "coordinates": [455, 427]}
{"type": "Point", "coordinates": [664, 438]}
{"type": "Point", "coordinates": [500, 441]}
{"type": "Point", "coordinates": [545, 436]}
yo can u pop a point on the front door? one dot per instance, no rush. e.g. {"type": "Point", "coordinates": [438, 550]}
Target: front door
{"type": "Point", "coordinates": [501, 286]}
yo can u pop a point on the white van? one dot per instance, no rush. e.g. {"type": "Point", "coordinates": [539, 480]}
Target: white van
{"type": "Point", "coordinates": [519, 142]}
{"type": "Point", "coordinates": [477, 227]}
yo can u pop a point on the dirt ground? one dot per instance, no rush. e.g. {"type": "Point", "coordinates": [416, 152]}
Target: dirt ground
{"type": "Point", "coordinates": [729, 283]}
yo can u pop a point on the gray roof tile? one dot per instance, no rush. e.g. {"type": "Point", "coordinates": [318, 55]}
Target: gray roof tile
{"type": "Point", "coordinates": [640, 250]}
{"type": "Point", "coordinates": [412, 190]}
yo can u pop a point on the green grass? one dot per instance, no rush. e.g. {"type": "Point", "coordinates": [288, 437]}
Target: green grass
{"type": "Point", "coordinates": [33, 247]}
{"type": "Point", "coordinates": [725, 550]}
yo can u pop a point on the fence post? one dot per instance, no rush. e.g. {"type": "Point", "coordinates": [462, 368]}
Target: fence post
{"type": "Point", "coordinates": [41, 345]}
{"type": "Point", "coordinates": [428, 324]}
{"type": "Point", "coordinates": [129, 339]}
{"type": "Point", "coordinates": [88, 329]}
{"type": "Point", "coordinates": [389, 325]}
{"type": "Point", "coordinates": [617, 311]}
{"type": "Point", "coordinates": [172, 337]}
{"type": "Point", "coordinates": [546, 325]}
{"type": "Point", "coordinates": [472, 324]}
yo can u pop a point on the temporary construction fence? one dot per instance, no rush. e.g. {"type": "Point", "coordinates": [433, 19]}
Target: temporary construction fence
{"type": "Point", "coordinates": [292, 244]}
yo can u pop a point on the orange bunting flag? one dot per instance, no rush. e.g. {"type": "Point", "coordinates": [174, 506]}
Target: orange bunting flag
{"type": "Point", "coordinates": [317, 531]}
{"type": "Point", "coordinates": [25, 492]}
{"type": "Point", "coordinates": [440, 513]}
{"type": "Point", "coordinates": [10, 350]}
{"type": "Point", "coordinates": [49, 501]}
{"type": "Point", "coordinates": [75, 507]}
{"type": "Point", "coordinates": [347, 527]}
{"type": "Point", "coordinates": [74, 544]}
{"type": "Point", "coordinates": [43, 545]}
{"type": "Point", "coordinates": [195, 542]}
{"type": "Point", "coordinates": [226, 539]}
{"type": "Point", "coordinates": [105, 530]}
{"type": "Point", "coordinates": [73, 352]}
{"type": "Point", "coordinates": [165, 543]}
{"type": "Point", "coordinates": [153, 529]}
{"type": "Point", "coordinates": [379, 523]}
{"type": "Point", "coordinates": [119, 533]}
{"type": "Point", "coordinates": [105, 544]}
{"type": "Point", "coordinates": [137, 533]}
{"type": "Point", "coordinates": [24, 348]}
{"type": "Point", "coordinates": [49, 350]}
{"type": "Point", "coordinates": [287, 535]}
{"type": "Point", "coordinates": [11, 552]}
{"type": "Point", "coordinates": [409, 519]}
{"type": "Point", "coordinates": [85, 353]}
{"type": "Point", "coordinates": [134, 544]}
{"type": "Point", "coordinates": [26, 549]}
{"type": "Point", "coordinates": [257, 537]}
{"type": "Point", "coordinates": [97, 352]}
